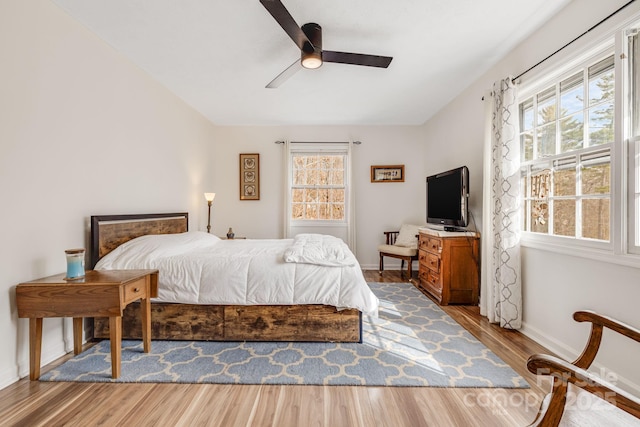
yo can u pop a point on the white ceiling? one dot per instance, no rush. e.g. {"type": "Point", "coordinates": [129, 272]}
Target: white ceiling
{"type": "Point", "coordinates": [219, 55]}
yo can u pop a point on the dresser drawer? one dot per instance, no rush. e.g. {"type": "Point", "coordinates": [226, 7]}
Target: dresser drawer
{"type": "Point", "coordinates": [432, 262]}
{"type": "Point", "coordinates": [434, 279]}
{"type": "Point", "coordinates": [434, 245]}
{"type": "Point", "coordinates": [135, 290]}
{"type": "Point", "coordinates": [431, 280]}
{"type": "Point", "coordinates": [423, 242]}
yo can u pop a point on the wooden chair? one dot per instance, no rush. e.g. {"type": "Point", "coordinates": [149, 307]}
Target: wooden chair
{"type": "Point", "coordinates": [576, 376]}
{"type": "Point", "coordinates": [403, 253]}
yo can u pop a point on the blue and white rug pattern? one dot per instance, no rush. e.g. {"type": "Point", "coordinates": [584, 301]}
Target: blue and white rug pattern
{"type": "Point", "coordinates": [411, 343]}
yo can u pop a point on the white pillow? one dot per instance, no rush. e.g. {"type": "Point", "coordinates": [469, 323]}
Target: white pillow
{"type": "Point", "coordinates": [407, 236]}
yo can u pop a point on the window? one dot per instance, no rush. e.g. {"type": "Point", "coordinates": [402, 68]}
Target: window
{"type": "Point", "coordinates": [566, 137]}
{"type": "Point", "coordinates": [319, 196]}
{"type": "Point", "coordinates": [318, 186]}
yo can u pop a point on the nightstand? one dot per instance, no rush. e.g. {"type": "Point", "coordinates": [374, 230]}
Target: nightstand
{"type": "Point", "coordinates": [103, 293]}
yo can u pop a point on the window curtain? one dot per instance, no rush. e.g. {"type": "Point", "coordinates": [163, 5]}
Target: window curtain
{"type": "Point", "coordinates": [286, 163]}
{"type": "Point", "coordinates": [501, 292]}
{"type": "Point", "coordinates": [351, 202]}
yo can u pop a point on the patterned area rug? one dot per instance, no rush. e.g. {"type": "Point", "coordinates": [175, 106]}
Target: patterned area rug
{"type": "Point", "coordinates": [411, 343]}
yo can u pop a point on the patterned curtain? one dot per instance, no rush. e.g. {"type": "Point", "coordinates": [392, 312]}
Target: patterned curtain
{"type": "Point", "coordinates": [501, 294]}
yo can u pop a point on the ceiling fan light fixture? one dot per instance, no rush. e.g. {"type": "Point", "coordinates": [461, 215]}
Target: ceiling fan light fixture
{"type": "Point", "coordinates": [311, 60]}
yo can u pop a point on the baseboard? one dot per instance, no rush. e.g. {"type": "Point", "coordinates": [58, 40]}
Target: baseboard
{"type": "Point", "coordinates": [8, 377]}
{"type": "Point", "coordinates": [567, 353]}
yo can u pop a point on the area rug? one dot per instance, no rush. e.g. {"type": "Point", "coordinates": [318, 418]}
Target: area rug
{"type": "Point", "coordinates": [412, 342]}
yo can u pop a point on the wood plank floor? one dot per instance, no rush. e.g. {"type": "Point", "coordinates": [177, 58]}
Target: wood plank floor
{"type": "Point", "coordinates": [32, 403]}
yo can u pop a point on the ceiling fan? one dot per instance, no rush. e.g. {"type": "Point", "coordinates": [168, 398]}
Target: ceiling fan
{"type": "Point", "coordinates": [308, 38]}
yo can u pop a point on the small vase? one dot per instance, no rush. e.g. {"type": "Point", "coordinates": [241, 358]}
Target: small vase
{"type": "Point", "coordinates": [230, 233]}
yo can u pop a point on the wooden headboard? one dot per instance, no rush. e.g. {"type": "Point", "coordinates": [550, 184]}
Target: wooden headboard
{"type": "Point", "coordinates": [110, 231]}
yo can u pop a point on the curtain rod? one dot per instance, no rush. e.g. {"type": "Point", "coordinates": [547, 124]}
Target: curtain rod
{"type": "Point", "coordinates": [319, 142]}
{"type": "Point", "coordinates": [566, 45]}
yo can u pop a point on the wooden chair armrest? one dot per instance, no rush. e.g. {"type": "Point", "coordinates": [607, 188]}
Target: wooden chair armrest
{"type": "Point", "coordinates": [609, 322]}
{"type": "Point", "coordinates": [565, 372]}
{"type": "Point", "coordinates": [390, 237]}
{"type": "Point", "coordinates": [598, 323]}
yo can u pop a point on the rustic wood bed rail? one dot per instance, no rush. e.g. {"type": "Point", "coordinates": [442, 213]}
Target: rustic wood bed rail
{"type": "Point", "coordinates": [172, 321]}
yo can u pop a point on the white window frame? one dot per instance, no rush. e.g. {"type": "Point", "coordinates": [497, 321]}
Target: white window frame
{"type": "Point", "coordinates": [625, 152]}
{"type": "Point", "coordinates": [320, 148]}
{"type": "Point", "coordinates": [527, 91]}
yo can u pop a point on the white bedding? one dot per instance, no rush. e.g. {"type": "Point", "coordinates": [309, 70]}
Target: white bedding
{"type": "Point", "coordinates": [199, 268]}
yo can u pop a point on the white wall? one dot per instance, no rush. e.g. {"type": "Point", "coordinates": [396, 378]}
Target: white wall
{"type": "Point", "coordinates": [554, 285]}
{"type": "Point", "coordinates": [82, 132]}
{"type": "Point", "coordinates": [379, 206]}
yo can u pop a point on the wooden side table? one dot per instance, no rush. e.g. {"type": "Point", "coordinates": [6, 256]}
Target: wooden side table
{"type": "Point", "coordinates": [103, 293]}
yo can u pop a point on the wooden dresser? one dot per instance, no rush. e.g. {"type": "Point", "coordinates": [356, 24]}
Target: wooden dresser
{"type": "Point", "coordinates": [449, 266]}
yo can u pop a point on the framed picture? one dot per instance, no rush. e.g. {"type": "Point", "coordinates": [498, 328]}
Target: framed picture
{"type": "Point", "coordinates": [250, 176]}
{"type": "Point", "coordinates": [387, 173]}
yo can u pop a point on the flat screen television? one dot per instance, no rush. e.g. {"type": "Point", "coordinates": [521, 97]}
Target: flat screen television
{"type": "Point", "coordinates": [447, 198]}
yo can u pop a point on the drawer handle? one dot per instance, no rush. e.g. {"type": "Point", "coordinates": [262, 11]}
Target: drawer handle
{"type": "Point", "coordinates": [136, 289]}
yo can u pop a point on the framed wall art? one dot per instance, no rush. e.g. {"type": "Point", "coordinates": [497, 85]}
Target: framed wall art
{"type": "Point", "coordinates": [387, 173]}
{"type": "Point", "coordinates": [250, 176]}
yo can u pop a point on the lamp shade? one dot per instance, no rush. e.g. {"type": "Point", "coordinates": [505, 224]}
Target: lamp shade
{"type": "Point", "coordinates": [209, 196]}
{"type": "Point", "coordinates": [311, 60]}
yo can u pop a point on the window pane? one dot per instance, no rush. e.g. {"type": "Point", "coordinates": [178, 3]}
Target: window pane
{"type": "Point", "coordinates": [601, 124]}
{"type": "Point", "coordinates": [311, 195]}
{"type": "Point", "coordinates": [547, 140]}
{"type": "Point", "coordinates": [299, 162]}
{"type": "Point", "coordinates": [595, 219]}
{"type": "Point", "coordinates": [299, 177]}
{"type": "Point", "coordinates": [571, 95]}
{"type": "Point", "coordinates": [311, 162]}
{"type": "Point", "coordinates": [297, 211]}
{"type": "Point", "coordinates": [324, 212]}
{"type": "Point", "coordinates": [297, 195]}
{"type": "Point", "coordinates": [572, 132]}
{"type": "Point", "coordinates": [338, 162]}
{"type": "Point", "coordinates": [337, 210]}
{"type": "Point", "coordinates": [564, 217]}
{"type": "Point", "coordinates": [540, 188]}
{"type": "Point", "coordinates": [337, 177]}
{"type": "Point", "coordinates": [323, 195]}
{"type": "Point", "coordinates": [601, 81]}
{"type": "Point", "coordinates": [311, 211]}
{"type": "Point", "coordinates": [526, 115]}
{"type": "Point", "coordinates": [323, 177]}
{"type": "Point", "coordinates": [596, 179]}
{"type": "Point", "coordinates": [526, 146]}
{"type": "Point", "coordinates": [547, 106]}
{"type": "Point", "coordinates": [325, 162]}
{"type": "Point", "coordinates": [539, 216]}
{"type": "Point", "coordinates": [565, 182]}
{"type": "Point", "coordinates": [312, 177]}
{"type": "Point", "coordinates": [337, 195]}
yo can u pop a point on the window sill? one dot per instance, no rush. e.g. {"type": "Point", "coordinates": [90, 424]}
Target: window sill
{"type": "Point", "coordinates": [598, 252]}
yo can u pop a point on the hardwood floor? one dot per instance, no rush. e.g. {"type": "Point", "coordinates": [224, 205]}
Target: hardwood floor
{"type": "Point", "coordinates": [33, 403]}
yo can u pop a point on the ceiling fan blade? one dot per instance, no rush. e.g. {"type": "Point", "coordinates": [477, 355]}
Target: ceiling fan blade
{"type": "Point", "coordinates": [288, 24]}
{"type": "Point", "coordinates": [356, 59]}
{"type": "Point", "coordinates": [283, 76]}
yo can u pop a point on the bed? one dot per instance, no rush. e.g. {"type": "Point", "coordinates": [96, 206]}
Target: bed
{"type": "Point", "coordinates": [178, 317]}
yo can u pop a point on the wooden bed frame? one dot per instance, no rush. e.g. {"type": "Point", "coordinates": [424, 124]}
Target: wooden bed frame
{"type": "Point", "coordinates": [171, 321]}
